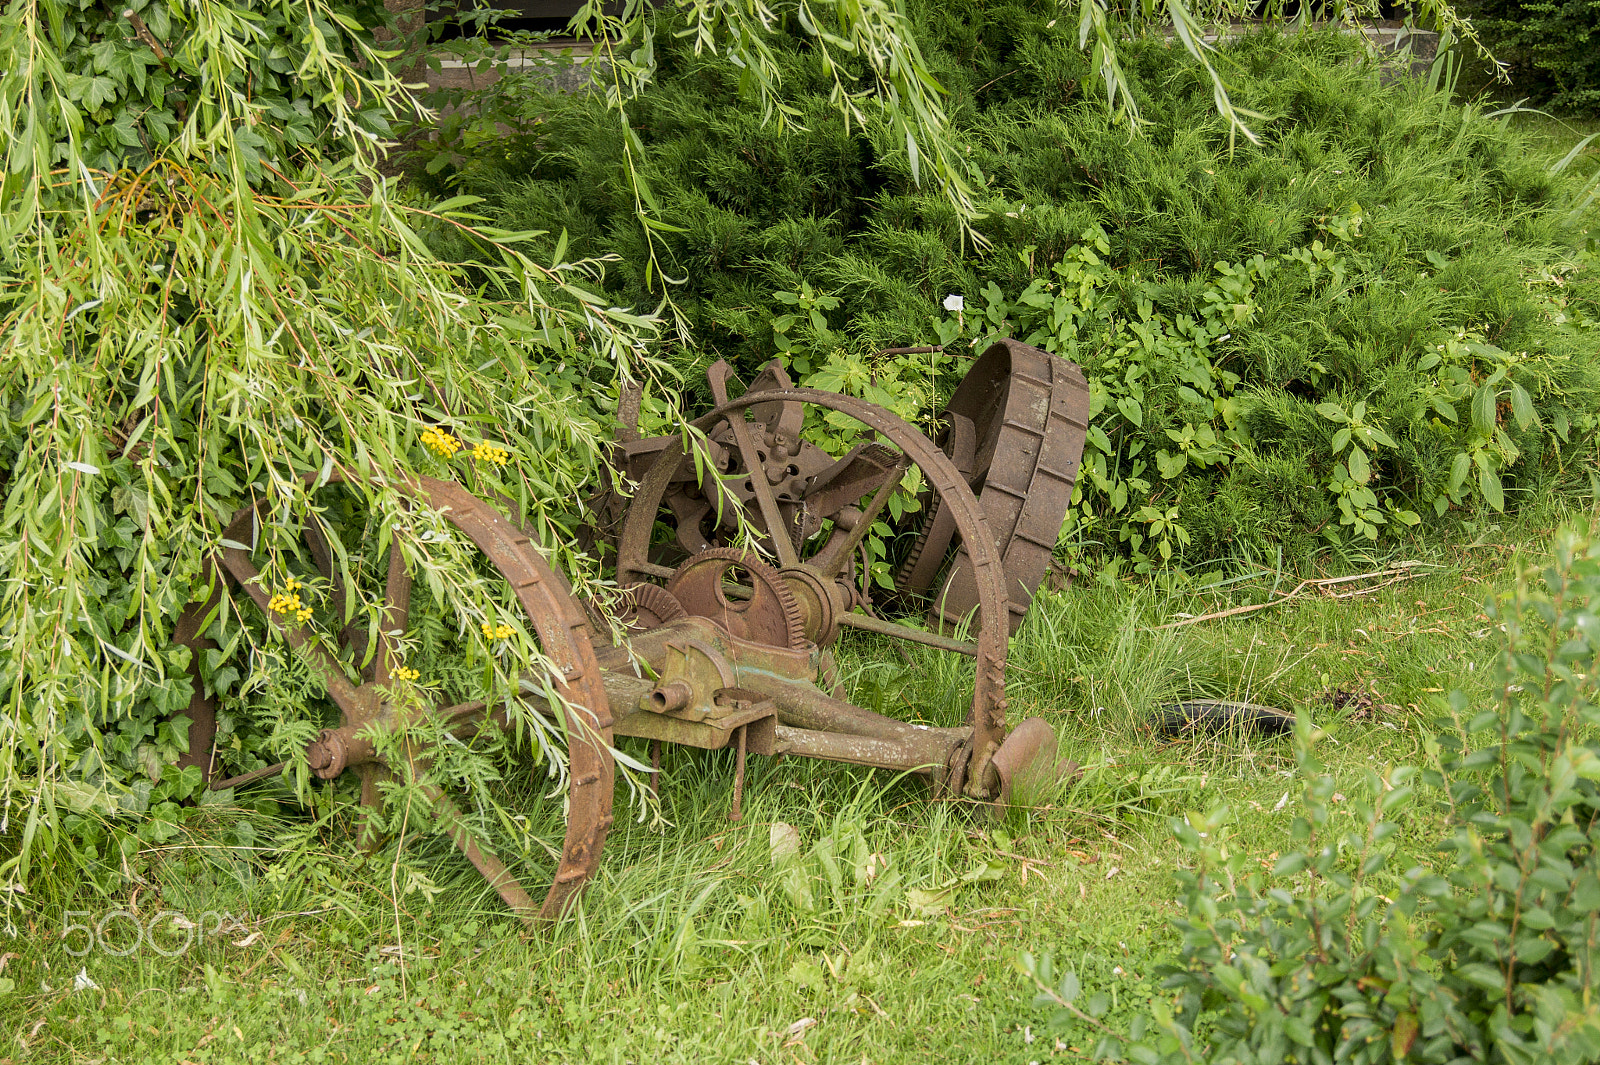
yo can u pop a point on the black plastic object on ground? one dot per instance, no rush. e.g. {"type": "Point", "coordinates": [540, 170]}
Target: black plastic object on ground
{"type": "Point", "coordinates": [1221, 715]}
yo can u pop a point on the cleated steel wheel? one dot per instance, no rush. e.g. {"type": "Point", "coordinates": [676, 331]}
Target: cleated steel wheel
{"type": "Point", "coordinates": [1015, 429]}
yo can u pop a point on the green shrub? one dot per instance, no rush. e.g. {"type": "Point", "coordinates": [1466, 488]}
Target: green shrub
{"type": "Point", "coordinates": [1368, 942]}
{"type": "Point", "coordinates": [1552, 48]}
{"type": "Point", "coordinates": [1375, 317]}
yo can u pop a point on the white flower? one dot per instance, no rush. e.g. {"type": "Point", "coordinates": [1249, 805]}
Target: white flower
{"type": "Point", "coordinates": [953, 302]}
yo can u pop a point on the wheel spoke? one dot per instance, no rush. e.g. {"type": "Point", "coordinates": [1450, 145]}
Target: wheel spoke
{"type": "Point", "coordinates": [350, 634]}
{"type": "Point", "coordinates": [493, 869]}
{"type": "Point", "coordinates": [321, 551]}
{"type": "Point", "coordinates": [369, 838]}
{"type": "Point", "coordinates": [831, 560]}
{"type": "Point", "coordinates": [777, 528]}
{"type": "Point", "coordinates": [396, 614]}
{"type": "Point", "coordinates": [354, 705]}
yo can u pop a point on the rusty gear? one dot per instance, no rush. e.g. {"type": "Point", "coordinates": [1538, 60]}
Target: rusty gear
{"type": "Point", "coordinates": [771, 615]}
{"type": "Point", "coordinates": [646, 606]}
{"type": "Point", "coordinates": [820, 602]}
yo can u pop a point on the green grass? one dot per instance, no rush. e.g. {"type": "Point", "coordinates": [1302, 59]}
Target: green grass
{"type": "Point", "coordinates": [691, 946]}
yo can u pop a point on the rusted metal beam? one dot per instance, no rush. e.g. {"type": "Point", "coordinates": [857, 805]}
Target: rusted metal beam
{"type": "Point", "coordinates": [894, 755]}
{"type": "Point", "coordinates": [906, 632]}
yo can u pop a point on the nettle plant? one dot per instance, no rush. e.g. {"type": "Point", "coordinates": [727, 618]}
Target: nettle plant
{"type": "Point", "coordinates": [1371, 942]}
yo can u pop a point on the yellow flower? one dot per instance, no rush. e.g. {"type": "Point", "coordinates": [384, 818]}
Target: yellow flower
{"type": "Point", "coordinates": [285, 602]}
{"type": "Point", "coordinates": [406, 673]}
{"type": "Point", "coordinates": [440, 441]}
{"type": "Point", "coordinates": [496, 632]}
{"type": "Point", "coordinates": [487, 452]}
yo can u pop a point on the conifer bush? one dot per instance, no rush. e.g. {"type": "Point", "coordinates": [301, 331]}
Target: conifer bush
{"type": "Point", "coordinates": [1381, 315]}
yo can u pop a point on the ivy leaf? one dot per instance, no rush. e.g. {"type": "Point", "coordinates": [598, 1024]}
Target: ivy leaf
{"type": "Point", "coordinates": [1170, 464]}
{"type": "Point", "coordinates": [101, 91]}
{"type": "Point", "coordinates": [1131, 410]}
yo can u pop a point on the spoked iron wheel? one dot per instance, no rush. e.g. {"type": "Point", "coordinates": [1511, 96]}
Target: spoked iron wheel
{"type": "Point", "coordinates": [361, 680]}
{"type": "Point", "coordinates": [811, 514]}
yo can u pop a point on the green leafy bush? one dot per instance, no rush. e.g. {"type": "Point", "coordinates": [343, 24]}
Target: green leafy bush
{"type": "Point", "coordinates": [1376, 316]}
{"type": "Point", "coordinates": [1368, 942]}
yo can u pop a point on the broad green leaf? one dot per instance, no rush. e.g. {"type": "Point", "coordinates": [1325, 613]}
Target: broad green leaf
{"type": "Point", "coordinates": [1360, 468]}
{"type": "Point", "coordinates": [1483, 401]}
{"type": "Point", "coordinates": [1522, 406]}
{"type": "Point", "coordinates": [1489, 485]}
{"type": "Point", "coordinates": [1131, 409]}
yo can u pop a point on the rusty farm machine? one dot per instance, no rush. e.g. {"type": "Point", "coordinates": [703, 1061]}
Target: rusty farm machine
{"type": "Point", "coordinates": [737, 570]}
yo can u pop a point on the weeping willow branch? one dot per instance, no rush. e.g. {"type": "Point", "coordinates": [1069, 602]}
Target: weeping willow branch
{"type": "Point", "coordinates": [208, 293]}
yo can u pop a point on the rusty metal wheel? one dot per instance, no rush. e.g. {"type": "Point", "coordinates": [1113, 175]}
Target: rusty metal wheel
{"type": "Point", "coordinates": [360, 679]}
{"type": "Point", "coordinates": [1015, 429]}
{"type": "Point", "coordinates": [812, 513]}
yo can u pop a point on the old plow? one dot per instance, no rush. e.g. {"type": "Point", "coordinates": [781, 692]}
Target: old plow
{"type": "Point", "coordinates": [741, 552]}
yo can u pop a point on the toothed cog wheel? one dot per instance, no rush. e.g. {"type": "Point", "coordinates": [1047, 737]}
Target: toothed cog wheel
{"type": "Point", "coordinates": [647, 606]}
{"type": "Point", "coordinates": [741, 593]}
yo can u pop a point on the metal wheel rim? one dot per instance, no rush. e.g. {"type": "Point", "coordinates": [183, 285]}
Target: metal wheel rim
{"type": "Point", "coordinates": [988, 714]}
{"type": "Point", "coordinates": [565, 637]}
